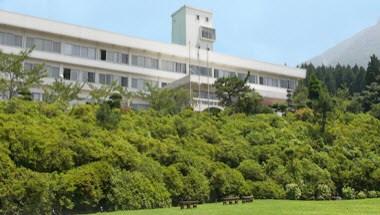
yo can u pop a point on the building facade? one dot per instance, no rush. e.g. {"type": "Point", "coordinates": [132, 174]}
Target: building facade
{"type": "Point", "coordinates": [96, 57]}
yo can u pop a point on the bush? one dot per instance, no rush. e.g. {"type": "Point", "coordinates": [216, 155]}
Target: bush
{"type": "Point", "coordinates": [293, 191]}
{"type": "Point", "coordinates": [107, 117]}
{"type": "Point", "coordinates": [252, 170]}
{"type": "Point", "coordinates": [361, 195]}
{"type": "Point", "coordinates": [226, 182]}
{"type": "Point", "coordinates": [132, 190]}
{"type": "Point", "coordinates": [323, 192]}
{"type": "Point", "coordinates": [196, 186]}
{"type": "Point", "coordinates": [372, 194]}
{"type": "Point", "coordinates": [267, 190]}
{"type": "Point", "coordinates": [348, 193]}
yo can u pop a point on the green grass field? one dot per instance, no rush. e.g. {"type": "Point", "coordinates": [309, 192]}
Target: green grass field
{"type": "Point", "coordinates": [272, 207]}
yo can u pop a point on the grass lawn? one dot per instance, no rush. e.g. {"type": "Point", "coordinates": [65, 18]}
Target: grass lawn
{"type": "Point", "coordinates": [272, 207]}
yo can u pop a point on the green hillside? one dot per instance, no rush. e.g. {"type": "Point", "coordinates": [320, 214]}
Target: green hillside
{"type": "Point", "coordinates": [64, 159]}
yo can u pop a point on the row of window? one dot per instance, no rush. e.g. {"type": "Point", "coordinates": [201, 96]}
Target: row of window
{"type": "Point", "coordinates": [43, 45]}
{"type": "Point", "coordinates": [200, 70]}
{"type": "Point", "coordinates": [146, 62]}
{"type": "Point", "coordinates": [274, 82]}
{"type": "Point", "coordinates": [172, 66]}
{"type": "Point", "coordinates": [121, 58]}
{"type": "Point", "coordinates": [9, 39]}
{"type": "Point", "coordinates": [218, 73]}
{"type": "Point", "coordinates": [79, 51]}
{"type": "Point", "coordinates": [90, 77]}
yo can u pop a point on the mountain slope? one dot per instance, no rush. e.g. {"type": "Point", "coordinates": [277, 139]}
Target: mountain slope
{"type": "Point", "coordinates": [355, 50]}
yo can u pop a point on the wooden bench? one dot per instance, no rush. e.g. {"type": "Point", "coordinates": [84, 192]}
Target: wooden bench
{"type": "Point", "coordinates": [188, 204]}
{"type": "Point", "coordinates": [246, 199]}
{"type": "Point", "coordinates": [230, 200]}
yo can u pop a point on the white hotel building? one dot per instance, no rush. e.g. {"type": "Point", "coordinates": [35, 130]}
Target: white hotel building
{"type": "Point", "coordinates": [80, 54]}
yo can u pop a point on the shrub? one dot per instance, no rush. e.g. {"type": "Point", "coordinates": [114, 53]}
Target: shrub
{"type": "Point", "coordinates": [227, 182]}
{"type": "Point", "coordinates": [323, 192]}
{"type": "Point", "coordinates": [252, 170]}
{"type": "Point", "coordinates": [348, 193]}
{"type": "Point", "coordinates": [372, 194]}
{"type": "Point", "coordinates": [132, 190]}
{"type": "Point", "coordinates": [106, 117]}
{"type": "Point", "coordinates": [293, 191]}
{"type": "Point", "coordinates": [361, 195]}
{"type": "Point", "coordinates": [267, 190]}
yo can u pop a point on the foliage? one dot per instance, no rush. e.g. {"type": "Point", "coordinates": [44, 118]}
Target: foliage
{"type": "Point", "coordinates": [323, 192]}
{"type": "Point", "coordinates": [133, 190]}
{"type": "Point", "coordinates": [61, 92]}
{"type": "Point", "coordinates": [348, 192]}
{"type": "Point", "coordinates": [373, 71]}
{"type": "Point", "coordinates": [166, 100]}
{"type": "Point", "coordinates": [107, 117]}
{"type": "Point", "coordinates": [235, 94]}
{"type": "Point", "coordinates": [18, 78]}
{"type": "Point", "coordinates": [65, 159]}
{"type": "Point", "coordinates": [293, 191]}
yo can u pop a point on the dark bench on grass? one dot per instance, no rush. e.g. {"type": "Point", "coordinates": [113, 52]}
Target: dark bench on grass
{"type": "Point", "coordinates": [246, 199]}
{"type": "Point", "coordinates": [230, 200]}
{"type": "Point", "coordinates": [188, 204]}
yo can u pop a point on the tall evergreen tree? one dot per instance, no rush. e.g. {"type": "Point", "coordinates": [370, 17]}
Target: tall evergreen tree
{"type": "Point", "coordinates": [373, 71]}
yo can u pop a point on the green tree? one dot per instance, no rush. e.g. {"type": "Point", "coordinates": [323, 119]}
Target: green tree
{"type": "Point", "coordinates": [62, 92]}
{"type": "Point", "coordinates": [105, 92]}
{"type": "Point", "coordinates": [132, 190]}
{"type": "Point", "coordinates": [16, 78]}
{"type": "Point", "coordinates": [166, 100]}
{"type": "Point", "coordinates": [107, 117]}
{"type": "Point", "coordinates": [373, 71]}
{"type": "Point", "coordinates": [235, 94]}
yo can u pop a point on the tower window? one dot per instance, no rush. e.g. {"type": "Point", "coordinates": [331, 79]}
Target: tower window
{"type": "Point", "coordinates": [198, 17]}
{"type": "Point", "coordinates": [103, 54]}
{"type": "Point", "coordinates": [206, 19]}
{"type": "Point", "coordinates": [66, 73]}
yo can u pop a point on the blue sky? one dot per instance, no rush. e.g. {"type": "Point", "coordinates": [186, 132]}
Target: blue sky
{"type": "Point", "coordinates": [277, 31]}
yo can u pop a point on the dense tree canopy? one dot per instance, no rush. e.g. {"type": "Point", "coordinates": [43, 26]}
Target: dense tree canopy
{"type": "Point", "coordinates": [65, 160]}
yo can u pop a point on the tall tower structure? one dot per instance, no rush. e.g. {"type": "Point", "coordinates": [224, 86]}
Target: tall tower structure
{"type": "Point", "coordinates": [193, 26]}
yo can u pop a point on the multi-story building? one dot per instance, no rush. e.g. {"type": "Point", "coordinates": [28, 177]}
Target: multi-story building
{"type": "Point", "coordinates": [96, 57]}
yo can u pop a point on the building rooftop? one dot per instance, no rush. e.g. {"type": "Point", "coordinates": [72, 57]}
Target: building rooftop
{"type": "Point", "coordinates": [186, 52]}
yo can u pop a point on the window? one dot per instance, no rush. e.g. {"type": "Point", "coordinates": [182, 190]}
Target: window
{"type": "Point", "coordinates": [164, 84]}
{"type": "Point", "coordinates": [37, 96]}
{"type": "Point", "coordinates": [173, 66]}
{"type": "Point", "coordinates": [124, 81]}
{"type": "Point", "coordinates": [207, 19]}
{"type": "Point", "coordinates": [105, 79]}
{"type": "Point", "coordinates": [78, 51]}
{"type": "Point", "coordinates": [208, 33]}
{"type": "Point", "coordinates": [103, 54]}
{"type": "Point", "coordinates": [66, 73]}
{"type": "Point", "coordinates": [275, 82]}
{"type": "Point", "coordinates": [88, 77]}
{"type": "Point", "coordinates": [10, 39]}
{"type": "Point", "coordinates": [223, 73]}
{"type": "Point", "coordinates": [91, 77]}
{"type": "Point", "coordinates": [251, 79]}
{"type": "Point", "coordinates": [140, 84]}
{"type": "Point", "coordinates": [113, 57]}
{"type": "Point", "coordinates": [43, 45]}
{"type": "Point", "coordinates": [146, 62]}
{"type": "Point", "coordinates": [52, 72]}
{"type": "Point", "coordinates": [199, 70]}
{"type": "Point", "coordinates": [28, 66]}
{"type": "Point", "coordinates": [124, 58]}
{"type": "Point", "coordinates": [198, 17]}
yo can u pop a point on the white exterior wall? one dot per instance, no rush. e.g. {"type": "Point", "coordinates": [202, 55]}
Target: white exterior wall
{"type": "Point", "coordinates": [65, 33]}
